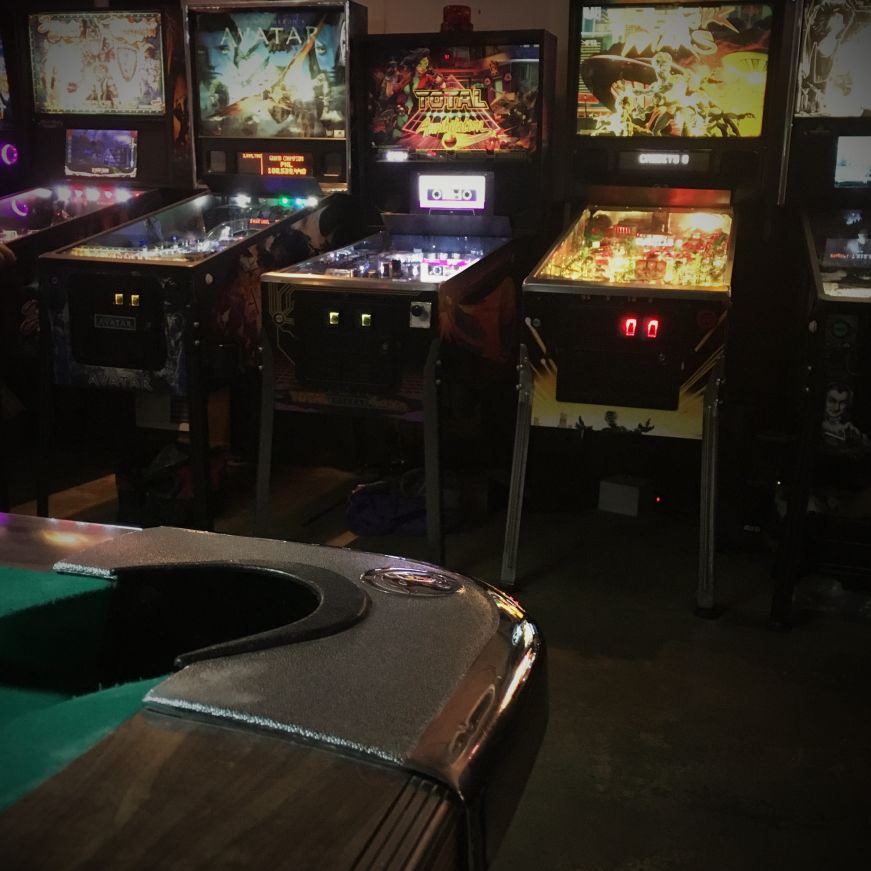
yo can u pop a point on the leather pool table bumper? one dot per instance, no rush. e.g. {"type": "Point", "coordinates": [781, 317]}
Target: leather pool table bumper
{"type": "Point", "coordinates": [442, 678]}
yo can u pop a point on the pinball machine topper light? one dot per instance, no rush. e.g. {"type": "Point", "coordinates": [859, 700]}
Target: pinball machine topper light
{"type": "Point", "coordinates": [688, 70]}
{"type": "Point", "coordinates": [477, 100]}
{"type": "Point", "coordinates": [276, 73]}
{"type": "Point", "coordinates": [91, 63]}
{"type": "Point", "coordinates": [835, 63]}
{"type": "Point", "coordinates": [101, 153]}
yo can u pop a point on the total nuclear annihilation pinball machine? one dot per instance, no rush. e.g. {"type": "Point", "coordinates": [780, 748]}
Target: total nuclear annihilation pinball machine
{"type": "Point", "coordinates": [827, 526]}
{"type": "Point", "coordinates": [455, 142]}
{"type": "Point", "coordinates": [170, 304]}
{"type": "Point", "coordinates": [672, 128]}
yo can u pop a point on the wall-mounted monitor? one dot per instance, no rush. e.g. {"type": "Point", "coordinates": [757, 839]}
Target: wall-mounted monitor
{"type": "Point", "coordinates": [853, 162]}
{"type": "Point", "coordinates": [835, 64]}
{"type": "Point", "coordinates": [271, 73]}
{"type": "Point", "coordinates": [97, 63]}
{"type": "Point", "coordinates": [5, 107]}
{"type": "Point", "coordinates": [445, 101]}
{"type": "Point", "coordinates": [682, 70]}
{"type": "Point", "coordinates": [101, 153]}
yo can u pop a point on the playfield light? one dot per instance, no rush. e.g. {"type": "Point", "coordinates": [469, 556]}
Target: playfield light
{"type": "Point", "coordinates": [122, 195]}
{"type": "Point", "coordinates": [92, 195]}
{"type": "Point", "coordinates": [64, 192]}
{"type": "Point", "coordinates": [284, 201]}
{"type": "Point", "coordinates": [396, 156]}
{"type": "Point", "coordinates": [242, 200]}
{"type": "Point", "coordinates": [8, 154]}
{"type": "Point", "coordinates": [311, 202]}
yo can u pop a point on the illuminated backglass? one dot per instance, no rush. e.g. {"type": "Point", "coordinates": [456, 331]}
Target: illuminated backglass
{"type": "Point", "coordinates": [92, 63]}
{"type": "Point", "coordinates": [684, 70]}
{"type": "Point", "coordinates": [435, 103]}
{"type": "Point", "coordinates": [271, 73]}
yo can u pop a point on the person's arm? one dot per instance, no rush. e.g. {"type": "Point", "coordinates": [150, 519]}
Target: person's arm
{"type": "Point", "coordinates": [7, 258]}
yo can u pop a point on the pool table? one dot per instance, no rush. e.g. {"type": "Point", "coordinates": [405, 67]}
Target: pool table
{"type": "Point", "coordinates": [174, 698]}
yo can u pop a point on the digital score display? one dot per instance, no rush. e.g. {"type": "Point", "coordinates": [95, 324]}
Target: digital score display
{"type": "Point", "coordinates": [285, 165]}
{"type": "Point", "coordinates": [647, 328]}
{"type": "Point", "coordinates": [687, 161]}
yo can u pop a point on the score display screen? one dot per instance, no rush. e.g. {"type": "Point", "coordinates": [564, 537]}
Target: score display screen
{"type": "Point", "coordinates": [432, 103]}
{"type": "Point", "coordinates": [271, 73]}
{"type": "Point", "coordinates": [101, 153]}
{"type": "Point", "coordinates": [97, 63]}
{"type": "Point", "coordinates": [853, 162]}
{"type": "Point", "coordinates": [684, 70]}
{"type": "Point", "coordinates": [645, 328]}
{"type": "Point", "coordinates": [5, 115]}
{"type": "Point", "coordinates": [270, 164]}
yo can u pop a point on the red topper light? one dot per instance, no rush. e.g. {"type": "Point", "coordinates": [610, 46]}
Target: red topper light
{"type": "Point", "coordinates": [628, 326]}
{"type": "Point", "coordinates": [652, 327]}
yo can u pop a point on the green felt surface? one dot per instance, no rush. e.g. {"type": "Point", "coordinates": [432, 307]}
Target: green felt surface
{"type": "Point", "coordinates": [38, 744]}
{"type": "Point", "coordinates": [21, 589]}
{"type": "Point", "coordinates": [16, 701]}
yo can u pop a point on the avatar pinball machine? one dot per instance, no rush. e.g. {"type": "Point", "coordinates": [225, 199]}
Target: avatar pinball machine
{"type": "Point", "coordinates": [169, 305]}
{"type": "Point", "coordinates": [673, 114]}
{"type": "Point", "coordinates": [827, 524]}
{"type": "Point", "coordinates": [456, 136]}
{"type": "Point", "coordinates": [95, 132]}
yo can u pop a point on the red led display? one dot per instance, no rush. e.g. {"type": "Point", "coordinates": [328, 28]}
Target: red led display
{"type": "Point", "coordinates": [648, 329]}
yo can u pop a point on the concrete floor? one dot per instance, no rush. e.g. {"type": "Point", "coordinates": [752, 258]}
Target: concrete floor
{"type": "Point", "coordinates": [673, 742]}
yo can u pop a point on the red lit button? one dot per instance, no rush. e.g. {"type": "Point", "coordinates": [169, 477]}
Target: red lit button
{"type": "Point", "coordinates": [629, 326]}
{"type": "Point", "coordinates": [652, 327]}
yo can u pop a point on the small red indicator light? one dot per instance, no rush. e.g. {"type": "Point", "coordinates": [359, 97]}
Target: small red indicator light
{"type": "Point", "coordinates": [652, 327]}
{"type": "Point", "coordinates": [658, 499]}
{"type": "Point", "coordinates": [629, 326]}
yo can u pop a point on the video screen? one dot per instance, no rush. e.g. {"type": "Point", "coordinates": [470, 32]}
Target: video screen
{"type": "Point", "coordinates": [835, 65]}
{"type": "Point", "coordinates": [90, 63]}
{"type": "Point", "coordinates": [688, 70]}
{"type": "Point", "coordinates": [853, 162]}
{"type": "Point", "coordinates": [101, 153]}
{"type": "Point", "coordinates": [850, 252]}
{"type": "Point", "coordinates": [267, 74]}
{"type": "Point", "coordinates": [5, 115]}
{"type": "Point", "coordinates": [443, 102]}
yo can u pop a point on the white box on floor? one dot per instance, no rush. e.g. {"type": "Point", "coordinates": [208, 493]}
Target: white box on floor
{"type": "Point", "coordinates": [625, 494]}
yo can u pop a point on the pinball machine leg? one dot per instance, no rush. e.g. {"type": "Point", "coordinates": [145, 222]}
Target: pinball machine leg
{"type": "Point", "coordinates": [790, 550]}
{"type": "Point", "coordinates": [432, 454]}
{"type": "Point", "coordinates": [522, 427]}
{"type": "Point", "coordinates": [264, 443]}
{"type": "Point", "coordinates": [45, 465]}
{"type": "Point", "coordinates": [198, 401]}
{"type": "Point", "coordinates": [706, 593]}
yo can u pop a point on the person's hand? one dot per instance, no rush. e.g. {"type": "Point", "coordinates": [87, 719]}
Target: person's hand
{"type": "Point", "coordinates": [7, 258]}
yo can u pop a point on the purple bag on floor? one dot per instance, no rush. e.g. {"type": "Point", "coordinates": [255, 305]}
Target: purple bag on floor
{"type": "Point", "coordinates": [388, 507]}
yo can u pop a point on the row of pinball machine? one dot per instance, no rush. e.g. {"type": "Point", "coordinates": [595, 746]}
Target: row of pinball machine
{"type": "Point", "coordinates": [229, 187]}
{"type": "Point", "coordinates": [256, 192]}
